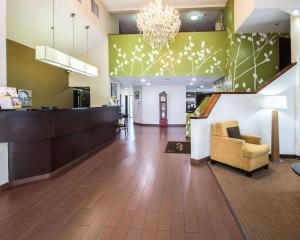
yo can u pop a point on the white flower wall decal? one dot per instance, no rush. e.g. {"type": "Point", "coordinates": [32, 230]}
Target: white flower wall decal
{"type": "Point", "coordinates": [197, 55]}
{"type": "Point", "coordinates": [241, 67]}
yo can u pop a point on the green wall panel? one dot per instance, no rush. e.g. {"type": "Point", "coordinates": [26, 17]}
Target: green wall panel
{"type": "Point", "coordinates": [191, 54]}
{"type": "Point", "coordinates": [252, 58]}
{"type": "Point", "coordinates": [246, 60]}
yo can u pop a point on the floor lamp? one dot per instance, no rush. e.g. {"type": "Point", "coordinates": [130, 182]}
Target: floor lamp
{"type": "Point", "coordinates": [275, 103]}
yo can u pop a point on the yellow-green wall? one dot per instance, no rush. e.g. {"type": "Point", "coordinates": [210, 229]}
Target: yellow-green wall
{"type": "Point", "coordinates": [49, 84]}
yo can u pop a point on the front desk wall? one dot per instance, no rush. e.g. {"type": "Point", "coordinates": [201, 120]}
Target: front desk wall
{"type": "Point", "coordinates": [40, 142]}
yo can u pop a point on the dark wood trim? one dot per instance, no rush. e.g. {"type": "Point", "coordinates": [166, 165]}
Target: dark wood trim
{"type": "Point", "coordinates": [157, 125]}
{"type": "Point", "coordinates": [5, 186]}
{"type": "Point", "coordinates": [210, 106]}
{"type": "Point", "coordinates": [215, 97]}
{"type": "Point", "coordinates": [279, 74]}
{"type": "Point", "coordinates": [286, 69]}
{"type": "Point", "coordinates": [25, 181]}
{"type": "Point", "coordinates": [195, 162]}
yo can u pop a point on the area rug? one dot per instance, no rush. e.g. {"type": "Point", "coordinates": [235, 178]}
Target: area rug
{"type": "Point", "coordinates": [178, 147]}
{"type": "Point", "coordinates": [267, 206]}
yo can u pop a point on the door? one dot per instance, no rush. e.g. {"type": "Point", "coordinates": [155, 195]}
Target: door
{"type": "Point", "coordinates": [126, 104]}
{"type": "Point", "coordinates": [284, 52]}
{"type": "Point", "coordinates": [81, 98]}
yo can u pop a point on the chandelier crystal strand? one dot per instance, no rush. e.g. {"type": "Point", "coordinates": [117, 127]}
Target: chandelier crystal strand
{"type": "Point", "coordinates": [159, 25]}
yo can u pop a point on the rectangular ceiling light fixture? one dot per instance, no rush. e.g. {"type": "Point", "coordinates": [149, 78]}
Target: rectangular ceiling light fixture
{"type": "Point", "coordinates": [59, 59]}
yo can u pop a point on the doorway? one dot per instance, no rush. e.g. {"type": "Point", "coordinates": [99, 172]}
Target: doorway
{"type": "Point", "coordinates": [81, 97]}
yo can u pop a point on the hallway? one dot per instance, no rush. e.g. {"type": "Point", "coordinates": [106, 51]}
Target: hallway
{"type": "Point", "coordinates": [130, 190]}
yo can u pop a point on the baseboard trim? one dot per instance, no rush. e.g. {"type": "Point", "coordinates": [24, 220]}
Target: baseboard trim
{"type": "Point", "coordinates": [287, 156]}
{"type": "Point", "coordinates": [30, 180]}
{"type": "Point", "coordinates": [56, 173]}
{"type": "Point", "coordinates": [195, 162]}
{"type": "Point", "coordinates": [157, 125]}
{"type": "Point", "coordinates": [5, 186]}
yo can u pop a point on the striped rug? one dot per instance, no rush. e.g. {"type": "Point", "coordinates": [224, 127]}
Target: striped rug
{"type": "Point", "coordinates": [267, 206]}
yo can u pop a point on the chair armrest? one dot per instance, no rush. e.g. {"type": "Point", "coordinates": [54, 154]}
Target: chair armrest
{"type": "Point", "coordinates": [226, 148]}
{"type": "Point", "coordinates": [251, 139]}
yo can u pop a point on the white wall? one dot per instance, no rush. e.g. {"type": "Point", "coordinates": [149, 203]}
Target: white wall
{"type": "Point", "coordinates": [3, 146]}
{"type": "Point", "coordinates": [2, 42]}
{"type": "Point", "coordinates": [126, 91]}
{"type": "Point", "coordinates": [242, 10]}
{"type": "Point", "coordinates": [146, 110]}
{"type": "Point", "coordinates": [100, 86]}
{"type": "Point", "coordinates": [295, 36]}
{"type": "Point", "coordinates": [138, 105]}
{"type": "Point", "coordinates": [253, 119]}
{"type": "Point", "coordinates": [106, 23]}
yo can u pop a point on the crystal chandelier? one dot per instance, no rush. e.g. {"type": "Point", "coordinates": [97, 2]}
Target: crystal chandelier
{"type": "Point", "coordinates": [159, 25]}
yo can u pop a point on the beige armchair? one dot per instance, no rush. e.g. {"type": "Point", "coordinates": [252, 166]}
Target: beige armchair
{"type": "Point", "coordinates": [247, 153]}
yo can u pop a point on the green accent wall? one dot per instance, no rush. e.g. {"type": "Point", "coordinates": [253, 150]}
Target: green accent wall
{"type": "Point", "coordinates": [246, 60]}
{"type": "Point", "coordinates": [49, 84]}
{"type": "Point", "coordinates": [252, 58]}
{"type": "Point", "coordinates": [191, 54]}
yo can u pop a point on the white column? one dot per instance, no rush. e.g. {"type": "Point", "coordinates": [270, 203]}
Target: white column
{"type": "Point", "coordinates": [3, 163]}
{"type": "Point", "coordinates": [3, 80]}
{"type": "Point", "coordinates": [295, 39]}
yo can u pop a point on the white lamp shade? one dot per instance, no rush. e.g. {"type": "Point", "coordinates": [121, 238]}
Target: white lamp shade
{"type": "Point", "coordinates": [275, 102]}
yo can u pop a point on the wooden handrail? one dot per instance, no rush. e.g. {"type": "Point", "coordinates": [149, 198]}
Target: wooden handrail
{"type": "Point", "coordinates": [216, 96]}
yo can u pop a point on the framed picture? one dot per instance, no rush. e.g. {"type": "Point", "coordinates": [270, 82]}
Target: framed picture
{"type": "Point", "coordinates": [9, 92]}
{"type": "Point", "coordinates": [114, 90]}
{"type": "Point", "coordinates": [6, 103]}
{"type": "Point", "coordinates": [26, 97]}
{"type": "Point", "coordinates": [137, 95]}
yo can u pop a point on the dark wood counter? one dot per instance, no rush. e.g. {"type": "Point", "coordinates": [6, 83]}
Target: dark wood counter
{"type": "Point", "coordinates": [42, 141]}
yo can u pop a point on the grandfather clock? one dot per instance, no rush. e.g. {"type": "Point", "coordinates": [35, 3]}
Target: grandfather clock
{"type": "Point", "coordinates": [163, 109]}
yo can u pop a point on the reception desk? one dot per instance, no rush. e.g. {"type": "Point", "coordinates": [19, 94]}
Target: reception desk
{"type": "Point", "coordinates": [41, 142]}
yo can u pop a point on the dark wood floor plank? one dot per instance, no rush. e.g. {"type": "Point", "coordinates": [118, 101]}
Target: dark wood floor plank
{"type": "Point", "coordinates": [129, 190]}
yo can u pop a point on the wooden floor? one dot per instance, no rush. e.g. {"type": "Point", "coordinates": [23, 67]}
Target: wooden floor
{"type": "Point", "coordinates": [130, 190]}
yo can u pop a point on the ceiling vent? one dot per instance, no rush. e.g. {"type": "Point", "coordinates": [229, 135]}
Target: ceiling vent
{"type": "Point", "coordinates": [95, 8]}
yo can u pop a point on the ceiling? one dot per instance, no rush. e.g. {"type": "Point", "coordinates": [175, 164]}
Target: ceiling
{"type": "Point", "coordinates": [29, 23]}
{"type": "Point", "coordinates": [135, 5]}
{"type": "Point", "coordinates": [203, 83]}
{"type": "Point", "coordinates": [206, 22]}
{"type": "Point", "coordinates": [266, 20]}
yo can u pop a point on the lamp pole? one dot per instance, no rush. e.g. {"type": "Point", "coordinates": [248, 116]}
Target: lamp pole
{"type": "Point", "coordinates": [275, 155]}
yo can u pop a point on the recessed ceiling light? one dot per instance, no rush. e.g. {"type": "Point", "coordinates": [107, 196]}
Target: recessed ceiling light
{"type": "Point", "coordinates": [194, 79]}
{"type": "Point", "coordinates": [296, 12]}
{"type": "Point", "coordinates": [202, 86]}
{"type": "Point", "coordinates": [195, 17]}
{"type": "Point", "coordinates": [148, 83]}
{"type": "Point", "coordinates": [143, 80]}
{"type": "Point", "coordinates": [191, 84]}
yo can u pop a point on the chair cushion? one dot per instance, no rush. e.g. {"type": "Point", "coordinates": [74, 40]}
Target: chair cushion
{"type": "Point", "coordinates": [234, 132]}
{"type": "Point", "coordinates": [253, 150]}
{"type": "Point", "coordinates": [220, 129]}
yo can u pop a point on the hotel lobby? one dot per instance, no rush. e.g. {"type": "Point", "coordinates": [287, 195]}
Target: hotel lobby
{"type": "Point", "coordinates": [149, 119]}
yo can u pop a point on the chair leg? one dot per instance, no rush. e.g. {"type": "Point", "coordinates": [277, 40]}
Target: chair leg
{"type": "Point", "coordinates": [249, 174]}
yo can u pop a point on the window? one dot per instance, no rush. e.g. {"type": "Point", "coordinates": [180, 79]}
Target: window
{"type": "Point", "coordinates": [95, 8]}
